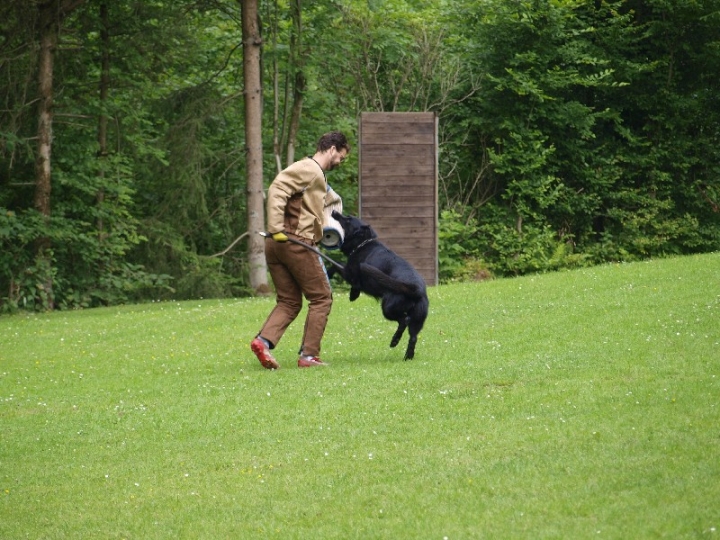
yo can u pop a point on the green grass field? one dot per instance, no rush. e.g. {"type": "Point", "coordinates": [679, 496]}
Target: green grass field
{"type": "Point", "coordinates": [581, 404]}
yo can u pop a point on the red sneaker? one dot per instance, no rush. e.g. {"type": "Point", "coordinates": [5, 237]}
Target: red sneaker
{"type": "Point", "coordinates": [310, 361]}
{"type": "Point", "coordinates": [262, 352]}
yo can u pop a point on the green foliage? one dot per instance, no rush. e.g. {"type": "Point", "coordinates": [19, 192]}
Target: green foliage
{"type": "Point", "coordinates": [516, 249]}
{"type": "Point", "coordinates": [197, 276]}
{"type": "Point", "coordinates": [385, 56]}
{"type": "Point", "coordinates": [84, 270]}
{"type": "Point", "coordinates": [572, 133]}
{"type": "Point", "coordinates": [454, 236]}
{"type": "Point", "coordinates": [577, 405]}
{"type": "Point", "coordinates": [458, 249]}
{"type": "Point", "coordinates": [22, 276]}
{"type": "Point", "coordinates": [589, 117]}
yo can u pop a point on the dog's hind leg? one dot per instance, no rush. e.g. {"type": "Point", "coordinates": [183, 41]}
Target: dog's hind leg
{"type": "Point", "coordinates": [410, 351]}
{"type": "Point", "coordinates": [415, 323]}
{"type": "Point", "coordinates": [402, 325]}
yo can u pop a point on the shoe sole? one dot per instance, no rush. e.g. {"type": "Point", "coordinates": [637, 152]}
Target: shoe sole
{"type": "Point", "coordinates": [267, 361]}
{"type": "Point", "coordinates": [306, 364]}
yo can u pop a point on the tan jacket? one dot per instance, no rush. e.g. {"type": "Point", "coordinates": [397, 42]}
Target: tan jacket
{"type": "Point", "coordinates": [296, 199]}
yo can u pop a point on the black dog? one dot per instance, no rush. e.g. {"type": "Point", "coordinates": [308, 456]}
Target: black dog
{"type": "Point", "coordinates": [376, 270]}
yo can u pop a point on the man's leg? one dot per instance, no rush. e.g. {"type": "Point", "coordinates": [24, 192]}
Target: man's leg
{"type": "Point", "coordinates": [310, 274]}
{"type": "Point", "coordinates": [289, 295]}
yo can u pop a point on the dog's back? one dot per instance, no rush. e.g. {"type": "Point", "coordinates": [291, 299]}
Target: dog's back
{"type": "Point", "coordinates": [383, 282]}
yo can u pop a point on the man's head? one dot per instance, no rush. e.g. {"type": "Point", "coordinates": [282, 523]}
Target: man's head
{"type": "Point", "coordinates": [332, 148]}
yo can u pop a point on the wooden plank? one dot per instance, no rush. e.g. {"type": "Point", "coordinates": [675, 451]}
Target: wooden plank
{"type": "Point", "coordinates": [390, 231]}
{"type": "Point", "coordinates": [389, 160]}
{"type": "Point", "coordinates": [383, 130]}
{"type": "Point", "coordinates": [398, 213]}
{"type": "Point", "coordinates": [393, 234]}
{"type": "Point", "coordinates": [395, 166]}
{"type": "Point", "coordinates": [380, 204]}
{"type": "Point", "coordinates": [415, 248]}
{"type": "Point", "coordinates": [397, 184]}
{"type": "Point", "coordinates": [373, 212]}
{"type": "Point", "coordinates": [381, 223]}
{"type": "Point", "coordinates": [389, 213]}
{"type": "Point", "coordinates": [402, 229]}
{"type": "Point", "coordinates": [396, 117]}
{"type": "Point", "coordinates": [376, 171]}
{"type": "Point", "coordinates": [398, 169]}
{"type": "Point", "coordinates": [410, 199]}
{"type": "Point", "coordinates": [380, 178]}
{"type": "Point", "coordinates": [373, 193]}
{"type": "Point", "coordinates": [419, 186]}
{"type": "Point", "coordinates": [394, 215]}
{"type": "Point", "coordinates": [418, 239]}
{"type": "Point", "coordinates": [380, 128]}
{"type": "Point", "coordinates": [400, 139]}
{"type": "Point", "coordinates": [397, 134]}
{"type": "Point", "coordinates": [399, 150]}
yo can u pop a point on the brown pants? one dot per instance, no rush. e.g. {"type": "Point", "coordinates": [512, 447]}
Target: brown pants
{"type": "Point", "coordinates": [297, 271]}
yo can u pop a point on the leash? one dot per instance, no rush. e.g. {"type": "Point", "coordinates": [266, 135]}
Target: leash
{"type": "Point", "coordinates": [311, 248]}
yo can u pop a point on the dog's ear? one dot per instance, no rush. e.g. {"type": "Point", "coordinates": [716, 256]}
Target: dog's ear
{"type": "Point", "coordinates": [366, 231]}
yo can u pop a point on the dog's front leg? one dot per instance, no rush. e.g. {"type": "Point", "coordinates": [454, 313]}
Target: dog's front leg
{"type": "Point", "coordinates": [332, 271]}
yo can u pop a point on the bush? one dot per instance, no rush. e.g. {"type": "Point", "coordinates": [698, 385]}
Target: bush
{"type": "Point", "coordinates": [457, 242]}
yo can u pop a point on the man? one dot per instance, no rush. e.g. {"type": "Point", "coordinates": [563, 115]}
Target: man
{"type": "Point", "coordinates": [295, 210]}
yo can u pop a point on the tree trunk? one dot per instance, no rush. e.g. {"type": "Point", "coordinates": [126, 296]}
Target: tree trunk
{"type": "Point", "coordinates": [298, 94]}
{"type": "Point", "coordinates": [48, 42]}
{"type": "Point", "coordinates": [252, 47]}
{"type": "Point", "coordinates": [103, 120]}
{"type": "Point", "coordinates": [50, 15]}
{"type": "Point", "coordinates": [296, 64]}
{"type": "Point", "coordinates": [277, 132]}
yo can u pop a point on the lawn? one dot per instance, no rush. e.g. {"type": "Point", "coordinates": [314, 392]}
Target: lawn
{"type": "Point", "coordinates": [581, 404]}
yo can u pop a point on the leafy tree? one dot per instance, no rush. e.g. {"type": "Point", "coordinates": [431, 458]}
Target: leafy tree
{"type": "Point", "coordinates": [667, 203]}
{"type": "Point", "coordinates": [568, 95]}
{"type": "Point", "coordinates": [572, 132]}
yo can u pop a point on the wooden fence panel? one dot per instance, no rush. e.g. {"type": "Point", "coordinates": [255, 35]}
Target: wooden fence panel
{"type": "Point", "coordinates": [398, 185]}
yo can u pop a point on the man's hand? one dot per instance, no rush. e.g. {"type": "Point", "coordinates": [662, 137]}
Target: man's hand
{"type": "Point", "coordinates": [280, 237]}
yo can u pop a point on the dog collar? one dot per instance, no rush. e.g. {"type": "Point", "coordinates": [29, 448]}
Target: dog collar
{"type": "Point", "coordinates": [363, 243]}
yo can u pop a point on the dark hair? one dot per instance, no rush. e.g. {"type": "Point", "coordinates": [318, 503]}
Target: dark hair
{"type": "Point", "coordinates": [333, 138]}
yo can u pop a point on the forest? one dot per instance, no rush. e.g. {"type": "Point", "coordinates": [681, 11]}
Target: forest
{"type": "Point", "coordinates": [137, 136]}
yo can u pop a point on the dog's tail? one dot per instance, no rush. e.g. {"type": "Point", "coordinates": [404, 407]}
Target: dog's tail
{"type": "Point", "coordinates": [390, 283]}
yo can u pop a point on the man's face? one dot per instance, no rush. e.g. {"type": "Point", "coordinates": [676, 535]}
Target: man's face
{"type": "Point", "coordinates": [336, 157]}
